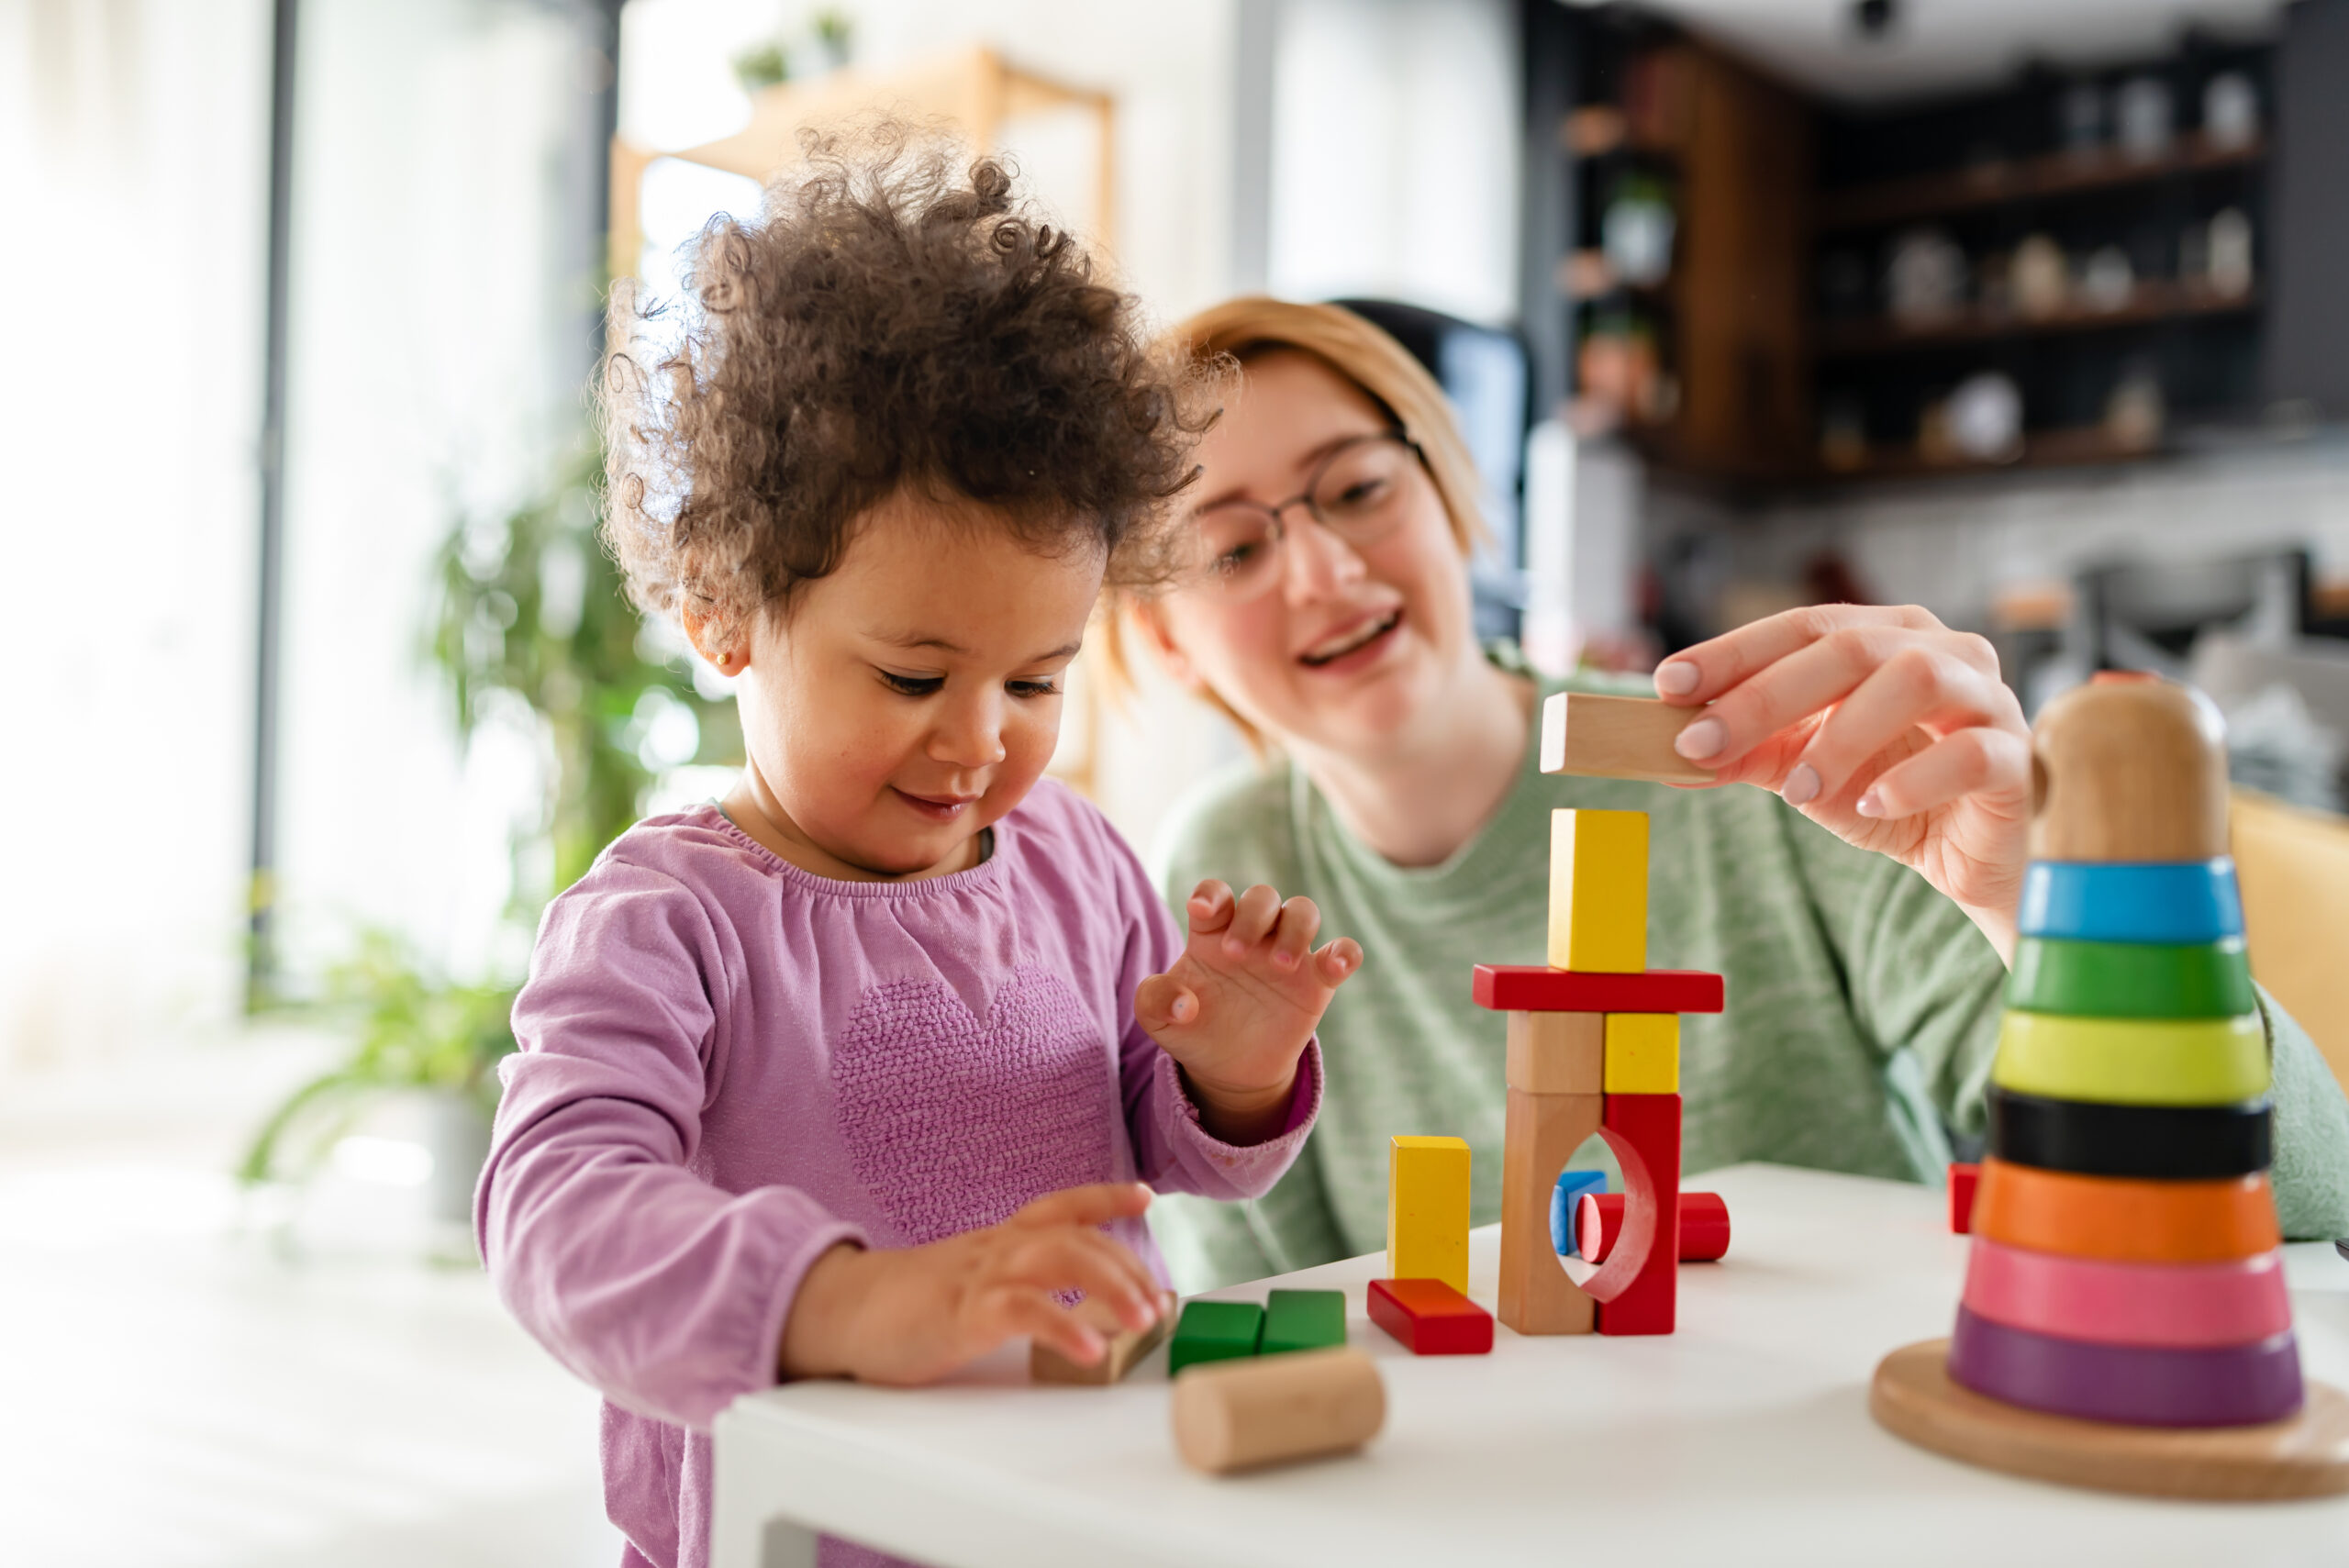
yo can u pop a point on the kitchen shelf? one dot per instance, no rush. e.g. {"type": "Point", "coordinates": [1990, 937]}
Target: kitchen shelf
{"type": "Point", "coordinates": [2028, 179]}
{"type": "Point", "coordinates": [2151, 303]}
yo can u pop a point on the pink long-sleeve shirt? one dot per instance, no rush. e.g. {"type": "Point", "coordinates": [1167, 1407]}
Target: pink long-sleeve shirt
{"type": "Point", "coordinates": [729, 1065]}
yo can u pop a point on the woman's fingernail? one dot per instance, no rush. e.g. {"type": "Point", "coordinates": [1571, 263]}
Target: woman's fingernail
{"type": "Point", "coordinates": [1871, 805]}
{"type": "Point", "coordinates": [1801, 786]}
{"type": "Point", "coordinates": [1675, 678]}
{"type": "Point", "coordinates": [1701, 739]}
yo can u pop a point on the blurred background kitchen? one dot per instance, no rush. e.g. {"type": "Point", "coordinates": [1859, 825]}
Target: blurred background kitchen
{"type": "Point", "coordinates": [2031, 313]}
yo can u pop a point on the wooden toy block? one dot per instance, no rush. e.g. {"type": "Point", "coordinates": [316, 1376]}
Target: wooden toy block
{"type": "Point", "coordinates": [1599, 892]}
{"type": "Point", "coordinates": [1557, 1053]}
{"type": "Point", "coordinates": [1046, 1364]}
{"type": "Point", "coordinates": [2172, 904]}
{"type": "Point", "coordinates": [1213, 1332]}
{"type": "Point", "coordinates": [1536, 988]}
{"type": "Point", "coordinates": [1431, 1319]}
{"type": "Point", "coordinates": [2179, 1143]}
{"type": "Point", "coordinates": [2181, 1306]}
{"type": "Point", "coordinates": [2131, 980]}
{"type": "Point", "coordinates": [2125, 1221]}
{"type": "Point", "coordinates": [1243, 1415]}
{"type": "Point", "coordinates": [1963, 1179]}
{"type": "Point", "coordinates": [1704, 1227]}
{"type": "Point", "coordinates": [1642, 1054]}
{"type": "Point", "coordinates": [1302, 1320]}
{"type": "Point", "coordinates": [1543, 1132]}
{"type": "Point", "coordinates": [1565, 1200]}
{"type": "Point", "coordinates": [1426, 1210]}
{"type": "Point", "coordinates": [1616, 737]}
{"type": "Point", "coordinates": [2133, 1061]}
{"type": "Point", "coordinates": [2128, 769]}
{"type": "Point", "coordinates": [1638, 1291]}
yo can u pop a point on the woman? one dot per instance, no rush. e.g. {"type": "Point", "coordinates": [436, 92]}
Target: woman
{"type": "Point", "coordinates": [1859, 901]}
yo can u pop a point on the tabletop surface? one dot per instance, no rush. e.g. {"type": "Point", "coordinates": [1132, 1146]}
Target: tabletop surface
{"type": "Point", "coordinates": [1744, 1436]}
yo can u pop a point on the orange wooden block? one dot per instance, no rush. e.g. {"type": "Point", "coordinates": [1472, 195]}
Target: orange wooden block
{"type": "Point", "coordinates": [2124, 1220]}
{"type": "Point", "coordinates": [1542, 1133]}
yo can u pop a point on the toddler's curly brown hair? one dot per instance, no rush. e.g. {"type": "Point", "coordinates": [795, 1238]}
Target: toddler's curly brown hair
{"type": "Point", "coordinates": [895, 319]}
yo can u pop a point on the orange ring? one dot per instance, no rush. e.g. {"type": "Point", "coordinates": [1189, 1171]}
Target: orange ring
{"type": "Point", "coordinates": [2124, 1220]}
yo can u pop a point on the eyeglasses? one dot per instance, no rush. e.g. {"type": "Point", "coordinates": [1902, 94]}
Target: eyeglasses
{"type": "Point", "coordinates": [1359, 492]}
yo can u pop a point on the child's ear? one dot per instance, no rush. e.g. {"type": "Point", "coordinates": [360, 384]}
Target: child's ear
{"type": "Point", "coordinates": [729, 660]}
{"type": "Point", "coordinates": [1147, 620]}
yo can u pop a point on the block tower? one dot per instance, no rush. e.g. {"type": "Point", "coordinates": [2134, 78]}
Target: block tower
{"type": "Point", "coordinates": [1594, 1041]}
{"type": "Point", "coordinates": [2124, 1321]}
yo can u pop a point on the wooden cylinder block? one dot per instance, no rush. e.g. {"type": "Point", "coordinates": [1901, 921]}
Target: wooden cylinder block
{"type": "Point", "coordinates": [2128, 769]}
{"type": "Point", "coordinates": [1240, 1415]}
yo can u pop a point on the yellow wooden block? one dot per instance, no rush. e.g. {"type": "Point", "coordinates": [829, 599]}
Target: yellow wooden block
{"type": "Point", "coordinates": [1427, 1210]}
{"type": "Point", "coordinates": [1642, 1054]}
{"type": "Point", "coordinates": [1598, 890]}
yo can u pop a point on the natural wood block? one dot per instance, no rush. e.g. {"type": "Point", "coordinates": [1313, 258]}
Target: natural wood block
{"type": "Point", "coordinates": [1542, 1133]}
{"type": "Point", "coordinates": [1642, 1054]}
{"type": "Point", "coordinates": [1302, 1320]}
{"type": "Point", "coordinates": [1046, 1364]}
{"type": "Point", "coordinates": [1431, 1319]}
{"type": "Point", "coordinates": [1599, 892]}
{"type": "Point", "coordinates": [1426, 1210]}
{"type": "Point", "coordinates": [1557, 1053]}
{"type": "Point", "coordinates": [2128, 769]}
{"type": "Point", "coordinates": [1215, 1330]}
{"type": "Point", "coordinates": [2124, 1220]}
{"type": "Point", "coordinates": [2304, 1456]}
{"type": "Point", "coordinates": [1616, 737]}
{"type": "Point", "coordinates": [1538, 988]}
{"type": "Point", "coordinates": [1240, 1415]}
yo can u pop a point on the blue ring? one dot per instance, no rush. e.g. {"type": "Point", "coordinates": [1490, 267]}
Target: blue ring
{"type": "Point", "coordinates": [2172, 902]}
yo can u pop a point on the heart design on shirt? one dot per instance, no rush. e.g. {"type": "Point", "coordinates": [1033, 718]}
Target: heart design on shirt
{"type": "Point", "coordinates": [952, 1124]}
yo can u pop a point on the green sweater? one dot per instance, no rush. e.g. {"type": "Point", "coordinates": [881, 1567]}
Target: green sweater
{"type": "Point", "coordinates": [1863, 1007]}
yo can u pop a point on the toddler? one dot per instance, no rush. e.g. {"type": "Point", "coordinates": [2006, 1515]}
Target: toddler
{"type": "Point", "coordinates": [871, 1067]}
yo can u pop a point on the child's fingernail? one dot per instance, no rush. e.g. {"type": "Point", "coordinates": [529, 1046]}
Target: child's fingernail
{"type": "Point", "coordinates": [1675, 678]}
{"type": "Point", "coordinates": [1285, 959]}
{"type": "Point", "coordinates": [1183, 1007]}
{"type": "Point", "coordinates": [1234, 946]}
{"type": "Point", "coordinates": [1871, 805]}
{"type": "Point", "coordinates": [1801, 786]}
{"type": "Point", "coordinates": [1701, 739]}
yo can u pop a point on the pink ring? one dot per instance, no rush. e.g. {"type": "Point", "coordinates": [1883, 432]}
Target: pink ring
{"type": "Point", "coordinates": [2177, 1306]}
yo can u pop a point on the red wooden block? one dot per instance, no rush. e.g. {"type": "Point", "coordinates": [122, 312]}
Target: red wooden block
{"type": "Point", "coordinates": [1431, 1317]}
{"type": "Point", "coordinates": [1961, 1198]}
{"type": "Point", "coordinates": [1536, 988]}
{"type": "Point", "coordinates": [1704, 1227]}
{"type": "Point", "coordinates": [1645, 1132]}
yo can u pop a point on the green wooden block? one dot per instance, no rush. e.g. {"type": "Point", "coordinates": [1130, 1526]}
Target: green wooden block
{"type": "Point", "coordinates": [1214, 1331]}
{"type": "Point", "coordinates": [1303, 1320]}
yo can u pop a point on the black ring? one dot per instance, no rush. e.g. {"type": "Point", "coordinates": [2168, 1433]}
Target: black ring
{"type": "Point", "coordinates": [2176, 1142]}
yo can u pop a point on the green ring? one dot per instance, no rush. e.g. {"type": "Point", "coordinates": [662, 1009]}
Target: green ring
{"type": "Point", "coordinates": [2131, 980]}
{"type": "Point", "coordinates": [2133, 1061]}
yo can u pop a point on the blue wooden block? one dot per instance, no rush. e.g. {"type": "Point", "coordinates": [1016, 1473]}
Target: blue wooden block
{"type": "Point", "coordinates": [1563, 1199]}
{"type": "Point", "coordinates": [2174, 903]}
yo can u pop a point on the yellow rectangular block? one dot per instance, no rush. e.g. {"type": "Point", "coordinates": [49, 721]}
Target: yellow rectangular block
{"type": "Point", "coordinates": [1642, 1054]}
{"type": "Point", "coordinates": [1427, 1210]}
{"type": "Point", "coordinates": [1598, 890]}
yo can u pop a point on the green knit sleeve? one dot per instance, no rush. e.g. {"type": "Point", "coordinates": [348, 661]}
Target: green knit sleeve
{"type": "Point", "coordinates": [2311, 1171]}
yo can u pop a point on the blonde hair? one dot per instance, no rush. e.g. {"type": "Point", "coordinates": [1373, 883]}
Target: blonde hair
{"type": "Point", "coordinates": [1253, 325]}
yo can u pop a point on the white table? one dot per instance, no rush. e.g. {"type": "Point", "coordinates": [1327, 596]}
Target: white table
{"type": "Point", "coordinates": [1743, 1438]}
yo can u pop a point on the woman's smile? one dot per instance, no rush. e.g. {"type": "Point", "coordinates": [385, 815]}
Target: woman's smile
{"type": "Point", "coordinates": [1355, 643]}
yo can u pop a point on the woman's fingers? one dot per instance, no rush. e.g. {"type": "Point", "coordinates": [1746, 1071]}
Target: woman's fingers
{"type": "Point", "coordinates": [1340, 959]}
{"type": "Point", "coordinates": [1920, 686]}
{"type": "Point", "coordinates": [1209, 906]}
{"type": "Point", "coordinates": [1293, 935]}
{"type": "Point", "coordinates": [1992, 765]}
{"type": "Point", "coordinates": [1700, 673]}
{"type": "Point", "coordinates": [1251, 920]}
{"type": "Point", "coordinates": [1097, 1204]}
{"type": "Point", "coordinates": [1810, 677]}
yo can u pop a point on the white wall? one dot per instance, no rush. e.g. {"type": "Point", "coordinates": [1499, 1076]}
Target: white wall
{"type": "Point", "coordinates": [132, 151]}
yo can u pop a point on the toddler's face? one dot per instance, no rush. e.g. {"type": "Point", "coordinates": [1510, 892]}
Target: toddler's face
{"type": "Point", "coordinates": [911, 698]}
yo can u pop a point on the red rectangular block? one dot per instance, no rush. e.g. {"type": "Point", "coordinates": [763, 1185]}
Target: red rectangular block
{"type": "Point", "coordinates": [1962, 1178]}
{"type": "Point", "coordinates": [1536, 988]}
{"type": "Point", "coordinates": [1431, 1317]}
{"type": "Point", "coordinates": [1645, 1132]}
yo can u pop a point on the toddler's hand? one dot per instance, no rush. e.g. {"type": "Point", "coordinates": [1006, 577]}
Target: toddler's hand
{"type": "Point", "coordinates": [913, 1315]}
{"type": "Point", "coordinates": [1238, 1007]}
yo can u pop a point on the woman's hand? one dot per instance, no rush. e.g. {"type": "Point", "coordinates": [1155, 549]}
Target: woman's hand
{"type": "Point", "coordinates": [913, 1315]}
{"type": "Point", "coordinates": [1883, 726]}
{"type": "Point", "coordinates": [1238, 1007]}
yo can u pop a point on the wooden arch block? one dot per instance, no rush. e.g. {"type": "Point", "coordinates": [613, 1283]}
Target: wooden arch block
{"type": "Point", "coordinates": [1544, 1130]}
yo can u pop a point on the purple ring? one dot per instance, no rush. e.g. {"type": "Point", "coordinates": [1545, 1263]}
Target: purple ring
{"type": "Point", "coordinates": [2137, 1385]}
